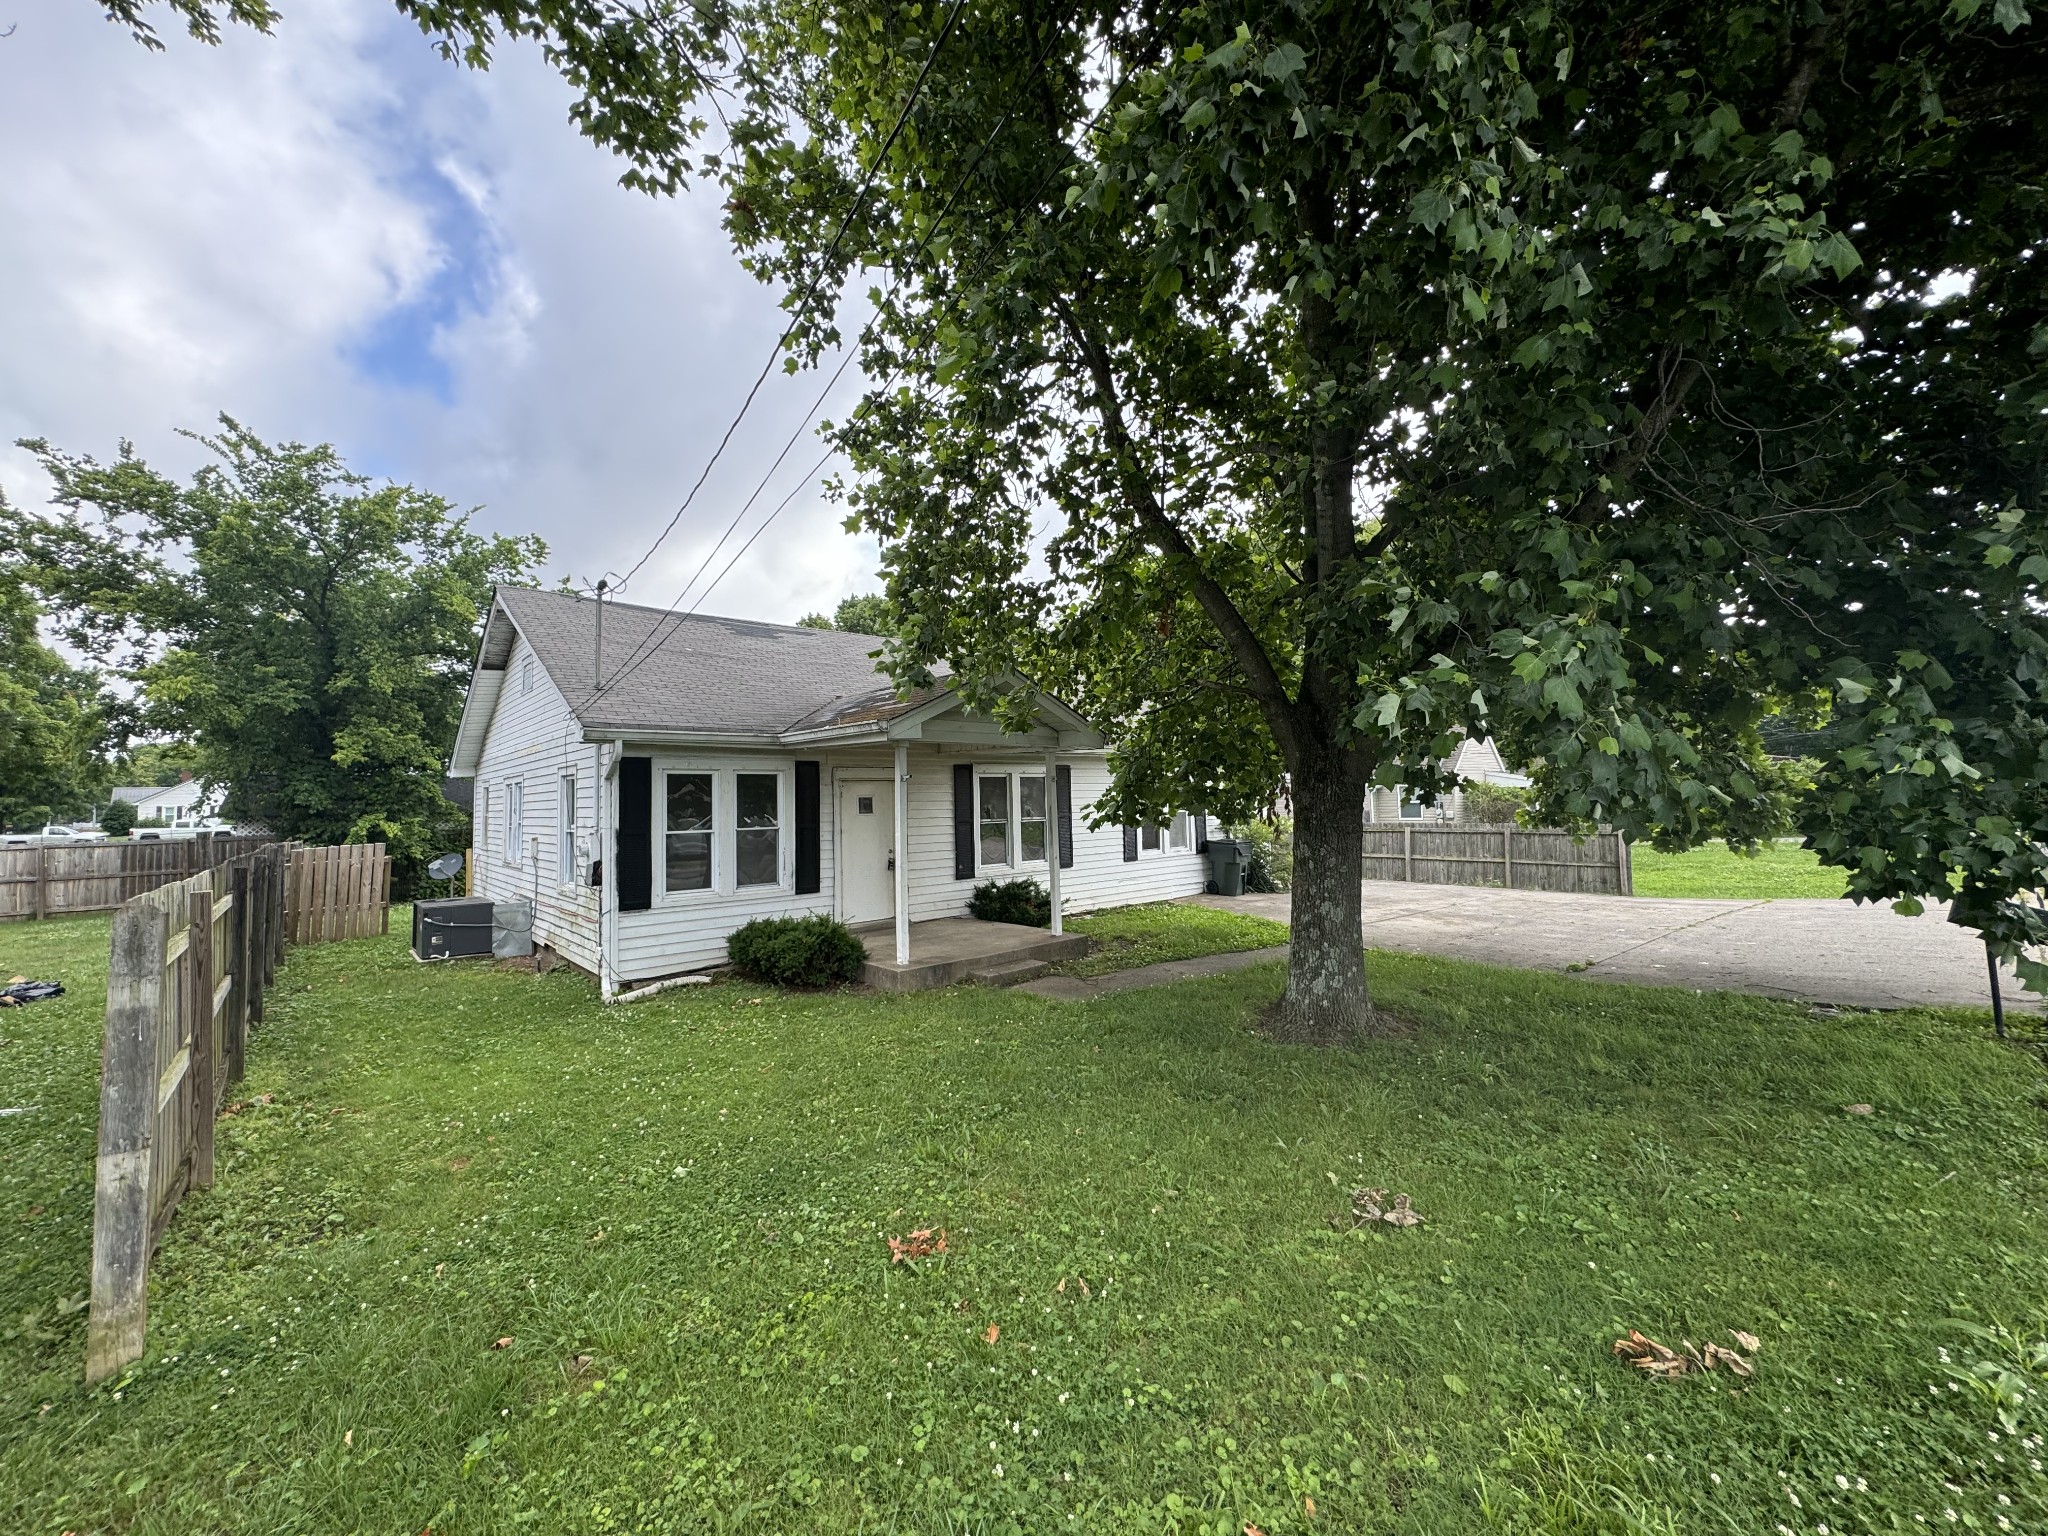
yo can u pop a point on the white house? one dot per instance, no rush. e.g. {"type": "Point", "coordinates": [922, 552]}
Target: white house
{"type": "Point", "coordinates": [734, 770]}
{"type": "Point", "coordinates": [177, 804]}
{"type": "Point", "coordinates": [1477, 761]}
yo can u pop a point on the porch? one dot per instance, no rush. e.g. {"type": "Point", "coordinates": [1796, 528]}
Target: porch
{"type": "Point", "coordinates": [946, 950]}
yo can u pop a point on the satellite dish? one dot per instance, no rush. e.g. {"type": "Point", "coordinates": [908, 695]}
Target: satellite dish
{"type": "Point", "coordinates": [446, 867]}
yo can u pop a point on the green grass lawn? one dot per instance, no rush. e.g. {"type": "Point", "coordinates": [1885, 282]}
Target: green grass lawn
{"type": "Point", "coordinates": [675, 1214]}
{"type": "Point", "coordinates": [1132, 936]}
{"type": "Point", "coordinates": [1778, 869]}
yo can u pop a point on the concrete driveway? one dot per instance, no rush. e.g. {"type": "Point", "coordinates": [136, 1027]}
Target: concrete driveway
{"type": "Point", "coordinates": [1814, 951]}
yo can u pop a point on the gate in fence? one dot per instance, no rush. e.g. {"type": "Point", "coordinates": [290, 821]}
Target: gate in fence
{"type": "Point", "coordinates": [188, 969]}
{"type": "Point", "coordinates": [1519, 858]}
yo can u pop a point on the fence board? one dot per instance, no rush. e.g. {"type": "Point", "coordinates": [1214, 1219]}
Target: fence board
{"type": "Point", "coordinates": [1518, 858]}
{"type": "Point", "coordinates": [337, 893]}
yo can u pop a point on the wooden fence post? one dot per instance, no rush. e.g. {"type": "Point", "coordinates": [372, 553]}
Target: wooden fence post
{"type": "Point", "coordinates": [42, 882]}
{"type": "Point", "coordinates": [1507, 856]}
{"type": "Point", "coordinates": [1407, 853]}
{"type": "Point", "coordinates": [199, 1005]}
{"type": "Point", "coordinates": [238, 950]}
{"type": "Point", "coordinates": [120, 1208]}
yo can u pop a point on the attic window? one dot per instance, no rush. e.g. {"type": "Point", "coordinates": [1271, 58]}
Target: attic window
{"type": "Point", "coordinates": [526, 675]}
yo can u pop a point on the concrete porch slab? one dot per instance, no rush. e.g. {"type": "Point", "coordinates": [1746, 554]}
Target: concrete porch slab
{"type": "Point", "coordinates": [948, 949]}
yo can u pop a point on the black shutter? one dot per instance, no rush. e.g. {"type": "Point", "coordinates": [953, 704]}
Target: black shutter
{"type": "Point", "coordinates": [635, 835]}
{"type": "Point", "coordinates": [807, 829]}
{"type": "Point", "coordinates": [1130, 845]}
{"type": "Point", "coordinates": [963, 821]}
{"type": "Point", "coordinates": [1064, 778]}
{"type": "Point", "coordinates": [1201, 834]}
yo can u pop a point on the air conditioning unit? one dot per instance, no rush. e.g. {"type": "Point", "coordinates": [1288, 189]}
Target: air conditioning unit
{"type": "Point", "coordinates": [451, 928]}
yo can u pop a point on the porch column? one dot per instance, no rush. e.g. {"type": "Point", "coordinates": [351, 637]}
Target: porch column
{"type": "Point", "coordinates": [903, 853]}
{"type": "Point", "coordinates": [1052, 849]}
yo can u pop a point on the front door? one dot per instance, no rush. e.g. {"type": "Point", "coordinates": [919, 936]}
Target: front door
{"type": "Point", "coordinates": [867, 848]}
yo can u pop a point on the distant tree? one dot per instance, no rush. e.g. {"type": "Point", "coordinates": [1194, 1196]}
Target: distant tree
{"type": "Point", "coordinates": [868, 614]}
{"type": "Point", "coordinates": [55, 718]}
{"type": "Point", "coordinates": [161, 763]}
{"type": "Point", "coordinates": [118, 819]}
{"type": "Point", "coordinates": [309, 631]}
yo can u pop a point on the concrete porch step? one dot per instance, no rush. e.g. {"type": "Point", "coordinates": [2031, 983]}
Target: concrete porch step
{"type": "Point", "coordinates": [948, 950]}
{"type": "Point", "coordinates": [1011, 974]}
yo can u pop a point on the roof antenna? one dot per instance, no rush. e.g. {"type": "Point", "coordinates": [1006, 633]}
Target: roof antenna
{"type": "Point", "coordinates": [597, 660]}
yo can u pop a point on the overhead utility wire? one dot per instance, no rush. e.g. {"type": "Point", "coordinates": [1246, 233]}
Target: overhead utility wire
{"type": "Point", "coordinates": [660, 636]}
{"type": "Point", "coordinates": [810, 288]}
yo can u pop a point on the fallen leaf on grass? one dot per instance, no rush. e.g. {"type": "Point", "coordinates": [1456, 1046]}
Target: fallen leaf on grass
{"type": "Point", "coordinates": [348, 1438]}
{"type": "Point", "coordinates": [597, 1236]}
{"type": "Point", "coordinates": [457, 1164]}
{"type": "Point", "coordinates": [1308, 1506]}
{"type": "Point", "coordinates": [1654, 1359]}
{"type": "Point", "coordinates": [504, 1343]}
{"type": "Point", "coordinates": [1252, 1530]}
{"type": "Point", "coordinates": [1371, 1205]}
{"type": "Point", "coordinates": [1861, 1109]}
{"type": "Point", "coordinates": [921, 1244]}
{"type": "Point", "coordinates": [1085, 1292]}
{"type": "Point", "coordinates": [992, 1335]}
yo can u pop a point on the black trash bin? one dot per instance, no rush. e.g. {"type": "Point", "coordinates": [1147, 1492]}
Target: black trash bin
{"type": "Point", "coordinates": [1227, 859]}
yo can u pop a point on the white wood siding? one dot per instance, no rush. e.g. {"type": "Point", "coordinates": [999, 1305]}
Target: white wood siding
{"type": "Point", "coordinates": [533, 740]}
{"type": "Point", "coordinates": [688, 932]}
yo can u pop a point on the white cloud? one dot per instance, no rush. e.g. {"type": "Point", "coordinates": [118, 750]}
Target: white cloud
{"type": "Point", "coordinates": [334, 235]}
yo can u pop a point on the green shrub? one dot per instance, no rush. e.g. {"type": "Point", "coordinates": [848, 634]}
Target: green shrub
{"type": "Point", "coordinates": [1012, 901]}
{"type": "Point", "coordinates": [1493, 805]}
{"type": "Point", "coordinates": [118, 819]}
{"type": "Point", "coordinates": [797, 951]}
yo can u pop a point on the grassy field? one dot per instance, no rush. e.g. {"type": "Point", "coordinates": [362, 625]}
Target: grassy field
{"type": "Point", "coordinates": [499, 1260]}
{"type": "Point", "coordinates": [1778, 869]}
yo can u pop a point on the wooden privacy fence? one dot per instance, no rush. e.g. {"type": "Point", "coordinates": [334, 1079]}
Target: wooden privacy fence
{"type": "Point", "coordinates": [1518, 858]}
{"type": "Point", "coordinates": [189, 966]}
{"type": "Point", "coordinates": [338, 893]}
{"type": "Point", "coordinates": [98, 877]}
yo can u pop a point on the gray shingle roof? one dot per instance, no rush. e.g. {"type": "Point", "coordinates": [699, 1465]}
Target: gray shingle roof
{"type": "Point", "coordinates": [699, 674]}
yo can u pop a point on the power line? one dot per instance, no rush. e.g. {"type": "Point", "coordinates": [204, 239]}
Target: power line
{"type": "Point", "coordinates": [658, 635]}
{"type": "Point", "coordinates": [810, 288]}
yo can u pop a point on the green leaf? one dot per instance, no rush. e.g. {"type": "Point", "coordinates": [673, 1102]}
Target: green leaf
{"type": "Point", "coordinates": [2010, 14]}
{"type": "Point", "coordinates": [1200, 115]}
{"type": "Point", "coordinates": [1431, 209]}
{"type": "Point", "coordinates": [1908, 906]}
{"type": "Point", "coordinates": [1997, 555]}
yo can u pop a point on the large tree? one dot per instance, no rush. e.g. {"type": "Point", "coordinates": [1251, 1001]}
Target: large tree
{"type": "Point", "coordinates": [310, 632]}
{"type": "Point", "coordinates": [1385, 370]}
{"type": "Point", "coordinates": [1394, 370]}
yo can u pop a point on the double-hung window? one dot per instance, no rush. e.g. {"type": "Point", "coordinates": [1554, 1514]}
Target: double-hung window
{"type": "Point", "coordinates": [565, 870]}
{"type": "Point", "coordinates": [1031, 818]}
{"type": "Point", "coordinates": [1177, 831]}
{"type": "Point", "coordinates": [757, 844]}
{"type": "Point", "coordinates": [1148, 837]}
{"type": "Point", "coordinates": [995, 819]}
{"type": "Point", "coordinates": [688, 836]}
{"type": "Point", "coordinates": [515, 820]}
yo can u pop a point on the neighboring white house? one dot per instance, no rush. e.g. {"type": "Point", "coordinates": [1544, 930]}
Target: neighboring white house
{"type": "Point", "coordinates": [1477, 761]}
{"type": "Point", "coordinates": [177, 804]}
{"type": "Point", "coordinates": [738, 770]}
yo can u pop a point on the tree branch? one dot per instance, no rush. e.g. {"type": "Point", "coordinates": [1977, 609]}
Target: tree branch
{"type": "Point", "coordinates": [1166, 535]}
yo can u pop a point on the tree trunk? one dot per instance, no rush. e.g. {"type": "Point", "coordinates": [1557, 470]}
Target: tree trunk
{"type": "Point", "coordinates": [1327, 1001]}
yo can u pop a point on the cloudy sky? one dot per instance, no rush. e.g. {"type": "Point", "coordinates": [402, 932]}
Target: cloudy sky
{"type": "Point", "coordinates": [334, 236]}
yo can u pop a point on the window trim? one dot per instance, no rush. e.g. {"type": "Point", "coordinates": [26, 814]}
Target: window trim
{"type": "Point", "coordinates": [724, 772]}
{"type": "Point", "coordinates": [567, 793]}
{"type": "Point", "coordinates": [515, 823]}
{"type": "Point", "coordinates": [1018, 866]}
